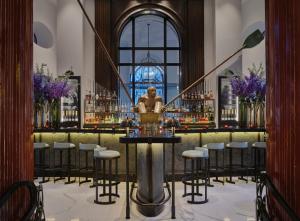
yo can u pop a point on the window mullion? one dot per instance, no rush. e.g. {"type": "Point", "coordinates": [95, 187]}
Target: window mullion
{"type": "Point", "coordinates": [133, 59]}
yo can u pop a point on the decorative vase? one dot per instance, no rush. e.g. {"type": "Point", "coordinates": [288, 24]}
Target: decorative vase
{"type": "Point", "coordinates": [255, 119]}
{"type": "Point", "coordinates": [243, 114]}
{"type": "Point", "coordinates": [261, 115]}
{"type": "Point", "coordinates": [55, 114]}
{"type": "Point", "coordinates": [38, 116]}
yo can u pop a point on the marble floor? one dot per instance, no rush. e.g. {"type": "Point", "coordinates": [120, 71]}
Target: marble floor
{"type": "Point", "coordinates": [73, 203]}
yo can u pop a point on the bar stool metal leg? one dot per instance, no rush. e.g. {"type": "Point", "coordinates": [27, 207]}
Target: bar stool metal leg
{"type": "Point", "coordinates": [109, 182]}
{"type": "Point", "coordinates": [96, 179]}
{"type": "Point", "coordinates": [198, 163]}
{"type": "Point", "coordinates": [43, 166]}
{"type": "Point", "coordinates": [206, 177]}
{"type": "Point", "coordinates": [116, 174]}
{"type": "Point", "coordinates": [69, 168]}
{"type": "Point", "coordinates": [184, 194]}
{"type": "Point", "coordinates": [79, 168]}
{"type": "Point", "coordinates": [104, 177]}
{"type": "Point", "coordinates": [254, 179]}
{"type": "Point", "coordinates": [209, 184]}
{"type": "Point", "coordinates": [217, 167]}
{"type": "Point", "coordinates": [230, 168]}
{"type": "Point", "coordinates": [242, 166]}
{"type": "Point", "coordinates": [60, 166]}
{"type": "Point", "coordinates": [193, 184]}
{"type": "Point", "coordinates": [94, 169]}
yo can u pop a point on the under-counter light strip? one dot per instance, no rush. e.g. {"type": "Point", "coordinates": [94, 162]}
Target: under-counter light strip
{"type": "Point", "coordinates": [112, 64]}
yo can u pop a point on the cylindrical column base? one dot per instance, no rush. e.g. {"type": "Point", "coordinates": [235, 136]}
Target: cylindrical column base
{"type": "Point", "coordinates": [150, 178]}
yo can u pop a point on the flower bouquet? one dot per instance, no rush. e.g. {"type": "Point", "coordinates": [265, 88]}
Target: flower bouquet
{"type": "Point", "coordinates": [251, 92]}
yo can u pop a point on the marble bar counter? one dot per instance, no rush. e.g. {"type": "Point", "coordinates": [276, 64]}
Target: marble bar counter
{"type": "Point", "coordinates": [190, 138]}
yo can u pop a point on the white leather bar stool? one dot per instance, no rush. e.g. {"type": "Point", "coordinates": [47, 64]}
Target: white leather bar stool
{"type": "Point", "coordinates": [86, 149]}
{"type": "Point", "coordinates": [195, 156]}
{"type": "Point", "coordinates": [103, 156]}
{"type": "Point", "coordinates": [64, 147]}
{"type": "Point", "coordinates": [241, 146]}
{"type": "Point", "coordinates": [258, 148]}
{"type": "Point", "coordinates": [41, 167]}
{"type": "Point", "coordinates": [216, 148]}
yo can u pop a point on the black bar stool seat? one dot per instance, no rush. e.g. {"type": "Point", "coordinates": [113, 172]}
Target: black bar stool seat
{"type": "Point", "coordinates": [41, 166]}
{"type": "Point", "coordinates": [103, 157]}
{"type": "Point", "coordinates": [197, 173]}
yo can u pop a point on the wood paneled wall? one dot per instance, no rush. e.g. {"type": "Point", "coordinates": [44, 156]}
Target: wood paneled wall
{"type": "Point", "coordinates": [193, 55]}
{"type": "Point", "coordinates": [188, 16]}
{"type": "Point", "coordinates": [103, 73]}
{"type": "Point", "coordinates": [16, 149]}
{"type": "Point", "coordinates": [283, 104]}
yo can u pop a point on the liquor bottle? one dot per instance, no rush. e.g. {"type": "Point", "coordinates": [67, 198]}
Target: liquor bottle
{"type": "Point", "coordinates": [211, 95]}
{"type": "Point", "coordinates": [114, 96]}
{"type": "Point", "coordinates": [108, 95]}
{"type": "Point", "coordinates": [222, 114]}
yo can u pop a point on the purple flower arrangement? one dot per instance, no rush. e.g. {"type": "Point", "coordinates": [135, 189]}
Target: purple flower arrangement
{"type": "Point", "coordinates": [47, 95]}
{"type": "Point", "coordinates": [47, 89]}
{"type": "Point", "coordinates": [57, 89]}
{"type": "Point", "coordinates": [40, 82]}
{"type": "Point", "coordinates": [250, 89]}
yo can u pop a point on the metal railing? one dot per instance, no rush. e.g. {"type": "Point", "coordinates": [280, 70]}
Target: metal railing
{"type": "Point", "coordinates": [265, 186]}
{"type": "Point", "coordinates": [35, 209]}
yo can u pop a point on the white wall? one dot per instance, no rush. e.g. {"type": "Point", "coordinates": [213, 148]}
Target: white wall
{"type": "Point", "coordinates": [88, 74]}
{"type": "Point", "coordinates": [223, 27]}
{"type": "Point", "coordinates": [228, 28]}
{"type": "Point", "coordinates": [209, 35]}
{"type": "Point", "coordinates": [69, 37]}
{"type": "Point", "coordinates": [253, 17]}
{"type": "Point", "coordinates": [74, 41]}
{"type": "Point", "coordinates": [45, 12]}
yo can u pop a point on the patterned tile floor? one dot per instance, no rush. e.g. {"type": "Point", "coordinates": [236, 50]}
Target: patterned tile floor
{"type": "Point", "coordinates": [74, 203]}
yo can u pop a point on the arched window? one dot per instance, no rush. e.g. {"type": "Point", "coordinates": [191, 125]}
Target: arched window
{"type": "Point", "coordinates": [149, 55]}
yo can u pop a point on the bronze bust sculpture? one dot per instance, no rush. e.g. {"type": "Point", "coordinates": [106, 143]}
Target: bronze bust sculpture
{"type": "Point", "coordinates": [150, 103]}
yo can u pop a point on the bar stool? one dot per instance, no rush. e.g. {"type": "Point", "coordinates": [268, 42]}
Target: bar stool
{"type": "Point", "coordinates": [86, 149]}
{"type": "Point", "coordinates": [189, 178]}
{"type": "Point", "coordinates": [40, 149]}
{"type": "Point", "coordinates": [217, 148]}
{"type": "Point", "coordinates": [64, 147]}
{"type": "Point", "coordinates": [259, 147]}
{"type": "Point", "coordinates": [103, 156]}
{"type": "Point", "coordinates": [242, 146]}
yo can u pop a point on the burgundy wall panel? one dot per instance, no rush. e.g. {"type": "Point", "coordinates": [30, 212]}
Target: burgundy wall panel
{"type": "Point", "coordinates": [283, 101]}
{"type": "Point", "coordinates": [16, 149]}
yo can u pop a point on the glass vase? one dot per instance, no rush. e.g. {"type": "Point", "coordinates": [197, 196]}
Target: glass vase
{"type": "Point", "coordinates": [255, 115]}
{"type": "Point", "coordinates": [243, 114]}
{"type": "Point", "coordinates": [37, 116]}
{"type": "Point", "coordinates": [55, 114]}
{"type": "Point", "coordinates": [261, 115]}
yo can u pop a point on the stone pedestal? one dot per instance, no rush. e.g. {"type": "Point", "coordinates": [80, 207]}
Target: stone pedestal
{"type": "Point", "coordinates": [150, 177]}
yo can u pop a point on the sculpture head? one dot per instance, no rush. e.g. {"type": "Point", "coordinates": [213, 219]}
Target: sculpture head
{"type": "Point", "coordinates": [151, 92]}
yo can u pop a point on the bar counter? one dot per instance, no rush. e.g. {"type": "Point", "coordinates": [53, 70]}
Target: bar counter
{"type": "Point", "coordinates": [190, 138]}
